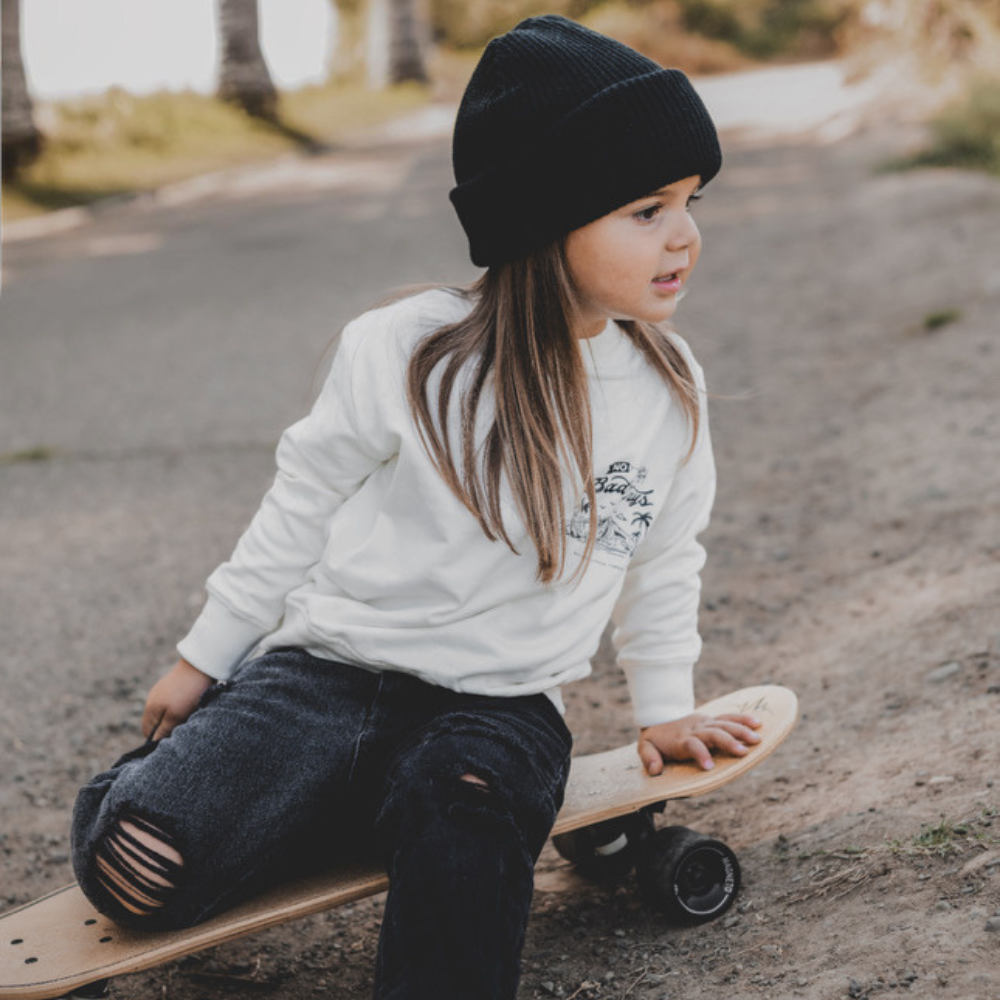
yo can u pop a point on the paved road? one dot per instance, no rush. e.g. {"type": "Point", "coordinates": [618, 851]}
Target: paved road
{"type": "Point", "coordinates": [200, 324]}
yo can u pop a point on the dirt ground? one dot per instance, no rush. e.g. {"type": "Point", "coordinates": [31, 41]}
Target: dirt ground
{"type": "Point", "coordinates": [847, 320]}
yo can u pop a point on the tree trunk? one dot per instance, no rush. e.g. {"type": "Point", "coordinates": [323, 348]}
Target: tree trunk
{"type": "Point", "coordinates": [349, 59]}
{"type": "Point", "coordinates": [397, 45]}
{"type": "Point", "coordinates": [408, 42]}
{"type": "Point", "coordinates": [22, 142]}
{"type": "Point", "coordinates": [244, 79]}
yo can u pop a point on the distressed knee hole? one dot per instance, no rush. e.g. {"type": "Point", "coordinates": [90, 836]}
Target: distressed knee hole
{"type": "Point", "coordinates": [476, 782]}
{"type": "Point", "coordinates": [137, 864]}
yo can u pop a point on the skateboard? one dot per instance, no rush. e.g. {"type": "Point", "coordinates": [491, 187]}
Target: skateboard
{"type": "Point", "coordinates": [59, 946]}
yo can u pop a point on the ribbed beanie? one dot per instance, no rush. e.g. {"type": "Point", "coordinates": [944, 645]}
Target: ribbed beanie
{"type": "Point", "coordinates": [560, 125]}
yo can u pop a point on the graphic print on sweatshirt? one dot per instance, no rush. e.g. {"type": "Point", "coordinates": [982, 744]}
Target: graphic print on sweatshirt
{"type": "Point", "coordinates": [624, 514]}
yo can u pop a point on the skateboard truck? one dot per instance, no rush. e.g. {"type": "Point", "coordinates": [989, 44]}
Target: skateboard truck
{"type": "Point", "coordinates": [689, 877]}
{"type": "Point", "coordinates": [610, 849]}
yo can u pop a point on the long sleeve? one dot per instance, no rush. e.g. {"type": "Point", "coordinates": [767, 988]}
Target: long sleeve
{"type": "Point", "coordinates": [322, 460]}
{"type": "Point", "coordinates": [656, 616]}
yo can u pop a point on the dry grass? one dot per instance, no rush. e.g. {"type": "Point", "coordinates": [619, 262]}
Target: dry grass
{"type": "Point", "coordinates": [967, 133]}
{"type": "Point", "coordinates": [118, 143]}
{"type": "Point", "coordinates": [658, 31]}
{"type": "Point", "coordinates": [841, 872]}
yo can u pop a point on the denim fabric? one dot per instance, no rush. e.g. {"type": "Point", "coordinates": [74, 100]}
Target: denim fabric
{"type": "Point", "coordinates": [297, 760]}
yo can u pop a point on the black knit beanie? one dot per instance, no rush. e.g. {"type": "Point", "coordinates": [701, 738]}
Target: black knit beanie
{"type": "Point", "coordinates": [560, 125]}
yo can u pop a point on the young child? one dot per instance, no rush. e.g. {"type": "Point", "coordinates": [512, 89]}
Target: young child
{"type": "Point", "coordinates": [488, 476]}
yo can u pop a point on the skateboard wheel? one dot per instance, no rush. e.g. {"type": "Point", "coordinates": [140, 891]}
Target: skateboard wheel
{"type": "Point", "coordinates": [606, 850]}
{"type": "Point", "coordinates": [690, 877]}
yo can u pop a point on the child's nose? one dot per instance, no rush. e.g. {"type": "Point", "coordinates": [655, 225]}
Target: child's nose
{"type": "Point", "coordinates": [683, 233]}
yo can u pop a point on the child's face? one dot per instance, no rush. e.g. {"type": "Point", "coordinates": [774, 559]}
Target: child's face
{"type": "Point", "coordinates": [631, 263]}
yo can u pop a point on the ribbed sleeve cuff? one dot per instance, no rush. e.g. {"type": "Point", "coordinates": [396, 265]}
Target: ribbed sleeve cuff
{"type": "Point", "coordinates": [660, 693]}
{"type": "Point", "coordinates": [219, 640]}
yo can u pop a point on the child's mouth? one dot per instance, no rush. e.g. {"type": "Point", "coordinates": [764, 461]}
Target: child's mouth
{"type": "Point", "coordinates": [668, 282]}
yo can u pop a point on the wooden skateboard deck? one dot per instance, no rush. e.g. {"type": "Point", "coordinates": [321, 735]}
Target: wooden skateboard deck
{"type": "Point", "coordinates": [59, 942]}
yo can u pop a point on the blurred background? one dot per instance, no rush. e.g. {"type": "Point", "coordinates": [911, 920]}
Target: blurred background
{"type": "Point", "coordinates": [105, 97]}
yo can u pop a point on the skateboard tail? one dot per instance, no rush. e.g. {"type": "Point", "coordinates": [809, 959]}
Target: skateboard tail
{"type": "Point", "coordinates": [59, 942]}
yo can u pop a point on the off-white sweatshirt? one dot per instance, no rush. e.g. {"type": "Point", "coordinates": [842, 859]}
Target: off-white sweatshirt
{"type": "Point", "coordinates": [360, 553]}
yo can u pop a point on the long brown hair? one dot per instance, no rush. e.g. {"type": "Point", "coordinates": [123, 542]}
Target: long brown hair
{"type": "Point", "coordinates": [518, 344]}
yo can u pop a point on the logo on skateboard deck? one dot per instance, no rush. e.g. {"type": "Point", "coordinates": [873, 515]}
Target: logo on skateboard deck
{"type": "Point", "coordinates": [753, 706]}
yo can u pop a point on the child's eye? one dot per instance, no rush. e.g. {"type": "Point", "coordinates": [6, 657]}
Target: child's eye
{"type": "Point", "coordinates": [647, 214]}
{"type": "Point", "coordinates": [697, 196]}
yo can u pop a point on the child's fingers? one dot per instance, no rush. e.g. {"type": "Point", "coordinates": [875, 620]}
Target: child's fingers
{"type": "Point", "coordinates": [679, 747]}
{"type": "Point", "coordinates": [158, 721]}
{"type": "Point", "coordinates": [154, 723]}
{"type": "Point", "coordinates": [690, 748]}
{"type": "Point", "coordinates": [695, 737]}
{"type": "Point", "coordinates": [696, 749]}
{"type": "Point", "coordinates": [150, 720]}
{"type": "Point", "coordinates": [721, 739]}
{"type": "Point", "coordinates": [742, 732]}
{"type": "Point", "coordinates": [750, 721]}
{"type": "Point", "coordinates": [652, 759]}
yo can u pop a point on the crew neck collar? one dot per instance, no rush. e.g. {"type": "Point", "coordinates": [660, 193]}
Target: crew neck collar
{"type": "Point", "coordinates": [598, 351]}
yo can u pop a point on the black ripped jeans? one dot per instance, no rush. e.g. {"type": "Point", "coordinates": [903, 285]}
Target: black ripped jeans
{"type": "Point", "coordinates": [298, 760]}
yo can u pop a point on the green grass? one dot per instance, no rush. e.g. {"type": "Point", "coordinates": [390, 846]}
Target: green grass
{"type": "Point", "coordinates": [942, 317]}
{"type": "Point", "coordinates": [769, 29]}
{"type": "Point", "coordinates": [40, 453]}
{"type": "Point", "coordinates": [945, 838]}
{"type": "Point", "coordinates": [965, 134]}
{"type": "Point", "coordinates": [860, 864]}
{"type": "Point", "coordinates": [948, 837]}
{"type": "Point", "coordinates": [118, 143]}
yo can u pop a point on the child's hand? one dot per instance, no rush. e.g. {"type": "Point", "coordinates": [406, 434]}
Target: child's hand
{"type": "Point", "coordinates": [694, 737]}
{"type": "Point", "coordinates": [173, 698]}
